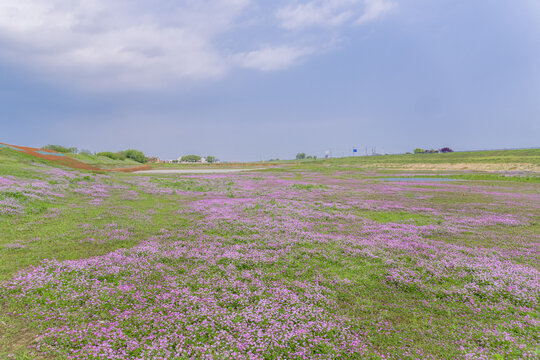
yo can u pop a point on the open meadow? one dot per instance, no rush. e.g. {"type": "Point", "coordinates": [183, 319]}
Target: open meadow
{"type": "Point", "coordinates": [343, 258]}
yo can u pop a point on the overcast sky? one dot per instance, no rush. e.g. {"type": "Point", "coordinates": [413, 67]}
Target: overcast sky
{"type": "Point", "coordinates": [252, 79]}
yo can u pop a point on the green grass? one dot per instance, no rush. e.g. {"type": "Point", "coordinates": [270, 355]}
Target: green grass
{"type": "Point", "coordinates": [308, 187]}
{"type": "Point", "coordinates": [185, 185]}
{"type": "Point", "coordinates": [401, 217]}
{"type": "Point", "coordinates": [103, 161]}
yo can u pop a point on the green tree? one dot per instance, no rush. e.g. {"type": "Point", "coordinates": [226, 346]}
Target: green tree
{"type": "Point", "coordinates": [135, 155]}
{"type": "Point", "coordinates": [191, 158]}
{"type": "Point", "coordinates": [419, 151]}
{"type": "Point", "coordinates": [120, 155]}
{"type": "Point", "coordinates": [211, 159]}
{"type": "Point", "coordinates": [300, 156]}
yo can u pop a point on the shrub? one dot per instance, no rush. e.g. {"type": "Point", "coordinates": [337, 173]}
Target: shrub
{"type": "Point", "coordinates": [446, 150]}
{"type": "Point", "coordinates": [61, 149]}
{"type": "Point", "coordinates": [135, 155]}
{"type": "Point", "coordinates": [419, 151]}
{"type": "Point", "coordinates": [111, 155]}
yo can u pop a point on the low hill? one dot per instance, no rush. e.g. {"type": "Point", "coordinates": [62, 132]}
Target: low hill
{"type": "Point", "coordinates": [103, 162]}
{"type": "Point", "coordinates": [77, 161]}
{"type": "Point", "coordinates": [527, 160]}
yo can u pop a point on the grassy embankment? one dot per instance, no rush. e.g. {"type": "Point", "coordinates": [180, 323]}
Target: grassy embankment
{"type": "Point", "coordinates": [104, 162]}
{"type": "Point", "coordinates": [495, 160]}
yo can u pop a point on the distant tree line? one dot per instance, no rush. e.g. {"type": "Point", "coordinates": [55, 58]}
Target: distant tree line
{"type": "Point", "coordinates": [433, 151]}
{"type": "Point", "coordinates": [302, 156]}
{"type": "Point", "coordinates": [135, 155]}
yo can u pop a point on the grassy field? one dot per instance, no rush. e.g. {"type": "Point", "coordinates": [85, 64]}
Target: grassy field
{"type": "Point", "coordinates": [314, 259]}
{"type": "Point", "coordinates": [527, 161]}
{"type": "Point", "coordinates": [494, 160]}
{"type": "Point", "coordinates": [530, 156]}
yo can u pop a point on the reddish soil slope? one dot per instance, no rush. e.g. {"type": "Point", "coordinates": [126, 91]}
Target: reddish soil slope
{"type": "Point", "coordinates": [67, 161]}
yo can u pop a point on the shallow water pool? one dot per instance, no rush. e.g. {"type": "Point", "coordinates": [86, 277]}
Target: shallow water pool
{"type": "Point", "coordinates": [10, 147]}
{"type": "Point", "coordinates": [48, 153]}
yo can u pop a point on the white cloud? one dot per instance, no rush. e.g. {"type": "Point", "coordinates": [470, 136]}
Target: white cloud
{"type": "Point", "coordinates": [117, 44]}
{"type": "Point", "coordinates": [375, 9]}
{"type": "Point", "coordinates": [271, 58]}
{"type": "Point", "coordinates": [331, 13]}
{"type": "Point", "coordinates": [135, 44]}
{"type": "Point", "coordinates": [316, 13]}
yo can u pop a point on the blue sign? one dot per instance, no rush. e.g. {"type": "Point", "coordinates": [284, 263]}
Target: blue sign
{"type": "Point", "coordinates": [354, 150]}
